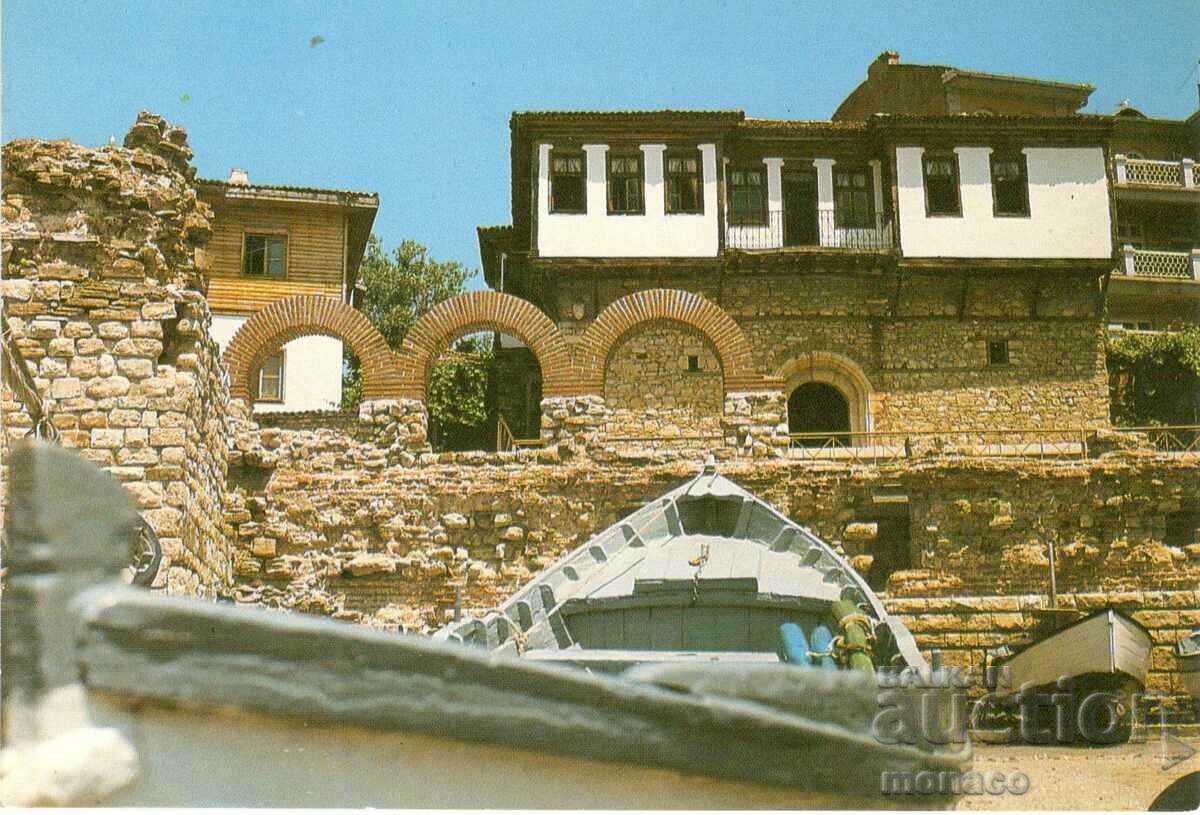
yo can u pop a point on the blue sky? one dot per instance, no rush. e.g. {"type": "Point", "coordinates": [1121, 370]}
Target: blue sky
{"type": "Point", "coordinates": [412, 99]}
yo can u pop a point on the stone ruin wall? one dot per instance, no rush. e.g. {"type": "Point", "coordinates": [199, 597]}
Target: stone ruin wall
{"type": "Point", "coordinates": [362, 523]}
{"type": "Point", "coordinates": [105, 304]}
{"type": "Point", "coordinates": [326, 524]}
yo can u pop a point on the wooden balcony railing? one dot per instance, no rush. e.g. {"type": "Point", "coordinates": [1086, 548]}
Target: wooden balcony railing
{"type": "Point", "coordinates": [1152, 173]}
{"type": "Point", "coordinates": [1159, 264]}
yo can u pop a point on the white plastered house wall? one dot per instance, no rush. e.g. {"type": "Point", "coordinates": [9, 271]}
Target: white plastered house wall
{"type": "Point", "coordinates": [312, 369]}
{"type": "Point", "coordinates": [652, 234]}
{"type": "Point", "coordinates": [1068, 207]}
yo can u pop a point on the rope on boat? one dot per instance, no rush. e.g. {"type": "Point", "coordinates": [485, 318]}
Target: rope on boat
{"type": "Point", "coordinates": [698, 562]}
{"type": "Point", "coordinates": [854, 644]}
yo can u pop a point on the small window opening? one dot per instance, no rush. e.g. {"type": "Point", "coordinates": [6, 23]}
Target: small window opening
{"type": "Point", "coordinates": [270, 379]}
{"type": "Point", "coordinates": [567, 176]}
{"type": "Point", "coordinates": [265, 255]}
{"type": "Point", "coordinates": [1183, 527]}
{"type": "Point", "coordinates": [998, 352]}
{"type": "Point", "coordinates": [1010, 185]}
{"type": "Point", "coordinates": [941, 185]}
{"type": "Point", "coordinates": [685, 184]}
{"type": "Point", "coordinates": [693, 362]}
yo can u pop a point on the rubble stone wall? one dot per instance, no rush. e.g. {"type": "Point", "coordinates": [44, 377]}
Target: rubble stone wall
{"type": "Point", "coordinates": [666, 366]}
{"type": "Point", "coordinates": [326, 524]}
{"type": "Point", "coordinates": [106, 305]}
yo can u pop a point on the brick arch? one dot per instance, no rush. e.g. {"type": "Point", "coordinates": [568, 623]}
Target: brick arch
{"type": "Point", "coordinates": [305, 316]}
{"type": "Point", "coordinates": [669, 305]}
{"type": "Point", "coordinates": [481, 311]}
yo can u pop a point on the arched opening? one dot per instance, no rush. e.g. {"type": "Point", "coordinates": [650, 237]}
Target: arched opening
{"type": "Point", "coordinates": [595, 347]}
{"type": "Point", "coordinates": [664, 379]}
{"type": "Point", "coordinates": [843, 408]}
{"type": "Point", "coordinates": [484, 392]}
{"type": "Point", "coordinates": [293, 347]}
{"type": "Point", "coordinates": [818, 408]}
{"type": "Point", "coordinates": [303, 374]}
{"type": "Point", "coordinates": [517, 386]}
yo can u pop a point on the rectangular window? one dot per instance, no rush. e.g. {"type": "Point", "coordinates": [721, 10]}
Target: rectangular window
{"type": "Point", "coordinates": [1010, 185]}
{"type": "Point", "coordinates": [854, 198]}
{"type": "Point", "coordinates": [625, 185]}
{"type": "Point", "coordinates": [693, 362]}
{"type": "Point", "coordinates": [941, 185]}
{"type": "Point", "coordinates": [998, 352]}
{"type": "Point", "coordinates": [747, 198]}
{"type": "Point", "coordinates": [270, 378]}
{"type": "Point", "coordinates": [568, 177]}
{"type": "Point", "coordinates": [685, 183]}
{"type": "Point", "coordinates": [265, 255]}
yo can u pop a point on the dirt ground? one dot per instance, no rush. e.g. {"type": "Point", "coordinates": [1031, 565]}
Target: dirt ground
{"type": "Point", "coordinates": [1128, 776]}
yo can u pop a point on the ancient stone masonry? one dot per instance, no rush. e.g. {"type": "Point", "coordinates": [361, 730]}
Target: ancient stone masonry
{"type": "Point", "coordinates": [333, 525]}
{"type": "Point", "coordinates": [915, 343]}
{"type": "Point", "coordinates": [105, 304]}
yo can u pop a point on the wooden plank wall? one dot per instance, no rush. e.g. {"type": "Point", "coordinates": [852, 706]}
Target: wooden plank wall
{"type": "Point", "coordinates": [315, 251]}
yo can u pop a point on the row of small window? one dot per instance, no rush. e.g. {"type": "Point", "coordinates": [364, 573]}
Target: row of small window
{"type": "Point", "coordinates": [854, 190]}
{"type": "Point", "coordinates": [854, 195]}
{"type": "Point", "coordinates": [626, 176]}
{"type": "Point", "coordinates": [1010, 185]}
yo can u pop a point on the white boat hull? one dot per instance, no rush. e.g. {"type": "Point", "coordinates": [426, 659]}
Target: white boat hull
{"type": "Point", "coordinates": [1105, 643]}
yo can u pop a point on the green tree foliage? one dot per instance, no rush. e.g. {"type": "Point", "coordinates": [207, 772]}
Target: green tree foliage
{"type": "Point", "coordinates": [397, 289]}
{"type": "Point", "coordinates": [458, 396]}
{"type": "Point", "coordinates": [1154, 378]}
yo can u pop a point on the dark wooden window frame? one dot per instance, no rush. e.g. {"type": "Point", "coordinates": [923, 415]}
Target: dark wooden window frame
{"type": "Point", "coordinates": [267, 233]}
{"type": "Point", "coordinates": [258, 379]}
{"type": "Point", "coordinates": [839, 215]}
{"type": "Point", "coordinates": [568, 152]}
{"type": "Point", "coordinates": [608, 179]}
{"type": "Point", "coordinates": [684, 154]}
{"type": "Point", "coordinates": [940, 155]}
{"type": "Point", "coordinates": [1009, 155]}
{"type": "Point", "coordinates": [762, 189]}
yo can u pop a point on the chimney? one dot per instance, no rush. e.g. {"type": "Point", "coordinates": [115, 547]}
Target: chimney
{"type": "Point", "coordinates": [239, 176]}
{"type": "Point", "coordinates": [882, 61]}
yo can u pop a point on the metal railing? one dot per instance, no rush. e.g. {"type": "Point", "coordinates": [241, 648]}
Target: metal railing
{"type": "Point", "coordinates": [506, 441]}
{"type": "Point", "coordinates": [1175, 439]}
{"type": "Point", "coordinates": [1155, 173]}
{"type": "Point", "coordinates": [879, 447]}
{"type": "Point", "coordinates": [1160, 264]}
{"type": "Point", "coordinates": [814, 230]}
{"type": "Point", "coordinates": [1070, 443]}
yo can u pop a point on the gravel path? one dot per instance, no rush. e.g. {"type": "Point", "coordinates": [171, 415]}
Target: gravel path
{"type": "Point", "coordinates": [1129, 776]}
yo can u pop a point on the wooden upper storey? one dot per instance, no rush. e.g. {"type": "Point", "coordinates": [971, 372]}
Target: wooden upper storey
{"type": "Point", "coordinates": [323, 234]}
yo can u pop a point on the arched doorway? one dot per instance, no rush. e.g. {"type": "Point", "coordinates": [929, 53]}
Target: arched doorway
{"type": "Point", "coordinates": [819, 408]}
